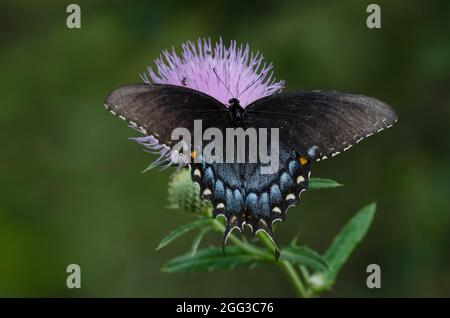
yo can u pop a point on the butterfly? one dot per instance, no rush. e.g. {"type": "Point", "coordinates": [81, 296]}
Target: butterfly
{"type": "Point", "coordinates": [313, 125]}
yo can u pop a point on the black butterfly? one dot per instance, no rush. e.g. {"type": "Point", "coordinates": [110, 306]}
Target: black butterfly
{"type": "Point", "coordinates": [313, 125]}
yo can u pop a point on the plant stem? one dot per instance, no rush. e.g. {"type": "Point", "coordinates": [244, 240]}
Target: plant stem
{"type": "Point", "coordinates": [244, 246]}
{"type": "Point", "coordinates": [285, 266]}
{"type": "Point", "coordinates": [293, 277]}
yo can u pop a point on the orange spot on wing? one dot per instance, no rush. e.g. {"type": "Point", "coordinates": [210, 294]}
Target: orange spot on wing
{"type": "Point", "coordinates": [303, 161]}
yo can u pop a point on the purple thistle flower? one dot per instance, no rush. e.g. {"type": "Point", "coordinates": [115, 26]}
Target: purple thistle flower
{"type": "Point", "coordinates": [235, 65]}
{"type": "Point", "coordinates": [167, 156]}
{"type": "Point", "coordinates": [219, 71]}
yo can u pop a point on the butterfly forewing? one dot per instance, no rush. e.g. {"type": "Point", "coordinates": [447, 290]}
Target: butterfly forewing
{"type": "Point", "coordinates": [321, 124]}
{"type": "Point", "coordinates": [157, 109]}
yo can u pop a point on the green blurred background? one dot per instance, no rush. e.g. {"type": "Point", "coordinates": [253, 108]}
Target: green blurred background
{"type": "Point", "coordinates": [70, 184]}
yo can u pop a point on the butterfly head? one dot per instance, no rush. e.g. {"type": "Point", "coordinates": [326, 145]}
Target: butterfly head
{"type": "Point", "coordinates": [236, 110]}
{"type": "Point", "coordinates": [234, 102]}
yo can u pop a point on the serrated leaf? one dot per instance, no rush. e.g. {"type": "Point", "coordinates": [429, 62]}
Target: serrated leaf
{"type": "Point", "coordinates": [182, 230]}
{"type": "Point", "coordinates": [319, 183]}
{"type": "Point", "coordinates": [198, 239]}
{"type": "Point", "coordinates": [303, 256]}
{"type": "Point", "coordinates": [212, 259]}
{"type": "Point", "coordinates": [345, 242]}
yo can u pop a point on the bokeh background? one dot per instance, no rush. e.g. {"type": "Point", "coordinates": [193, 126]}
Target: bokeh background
{"type": "Point", "coordinates": [71, 190]}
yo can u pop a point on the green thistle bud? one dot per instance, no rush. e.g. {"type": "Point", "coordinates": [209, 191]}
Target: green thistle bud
{"type": "Point", "coordinates": [183, 194]}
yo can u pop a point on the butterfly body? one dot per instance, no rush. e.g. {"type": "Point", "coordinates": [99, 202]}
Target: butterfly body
{"type": "Point", "coordinates": [312, 125]}
{"type": "Point", "coordinates": [237, 113]}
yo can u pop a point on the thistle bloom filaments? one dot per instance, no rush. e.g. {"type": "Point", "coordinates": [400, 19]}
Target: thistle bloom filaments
{"type": "Point", "coordinates": [219, 71]}
{"type": "Point", "coordinates": [167, 156]}
{"type": "Point", "coordinates": [202, 67]}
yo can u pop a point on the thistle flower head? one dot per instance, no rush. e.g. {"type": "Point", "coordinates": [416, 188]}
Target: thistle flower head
{"type": "Point", "coordinates": [220, 71]}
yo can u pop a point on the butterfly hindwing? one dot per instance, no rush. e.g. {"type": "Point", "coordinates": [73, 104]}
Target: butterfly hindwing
{"type": "Point", "coordinates": [321, 123]}
{"type": "Point", "coordinates": [243, 195]}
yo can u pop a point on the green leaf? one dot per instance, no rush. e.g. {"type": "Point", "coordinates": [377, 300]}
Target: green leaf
{"type": "Point", "coordinates": [182, 230]}
{"type": "Point", "coordinates": [303, 256]}
{"type": "Point", "coordinates": [319, 183]}
{"type": "Point", "coordinates": [346, 241]}
{"type": "Point", "coordinates": [198, 239]}
{"type": "Point", "coordinates": [212, 259]}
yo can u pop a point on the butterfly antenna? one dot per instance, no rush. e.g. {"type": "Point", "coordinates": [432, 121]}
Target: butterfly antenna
{"type": "Point", "coordinates": [251, 85]}
{"type": "Point", "coordinates": [214, 70]}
